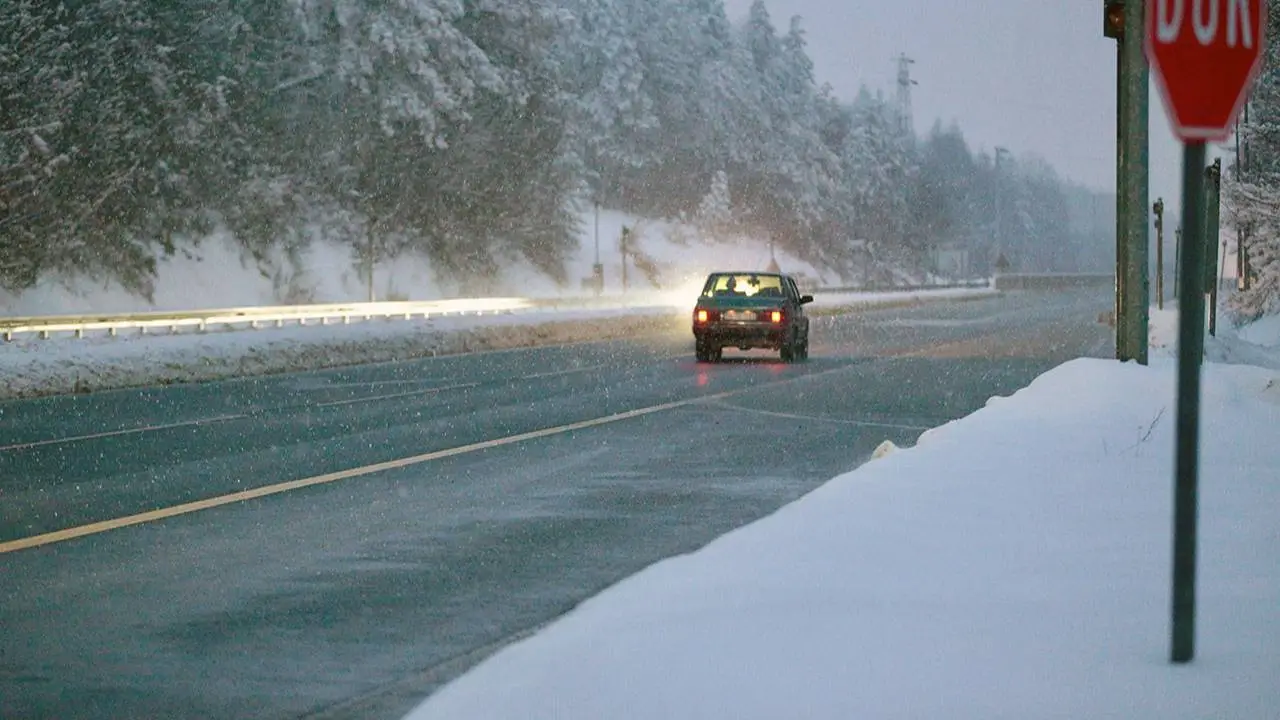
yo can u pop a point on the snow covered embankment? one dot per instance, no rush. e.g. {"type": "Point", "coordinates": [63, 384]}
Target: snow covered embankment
{"type": "Point", "coordinates": [1015, 564]}
{"type": "Point", "coordinates": [1257, 343]}
{"type": "Point", "coordinates": [30, 368]}
{"type": "Point", "coordinates": [33, 367]}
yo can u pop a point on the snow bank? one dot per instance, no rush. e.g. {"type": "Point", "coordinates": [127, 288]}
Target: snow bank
{"type": "Point", "coordinates": [838, 303]}
{"type": "Point", "coordinates": [1264, 331]}
{"type": "Point", "coordinates": [31, 367]}
{"type": "Point", "coordinates": [1014, 564]}
{"type": "Point", "coordinates": [1257, 343]}
{"type": "Point", "coordinates": [62, 365]}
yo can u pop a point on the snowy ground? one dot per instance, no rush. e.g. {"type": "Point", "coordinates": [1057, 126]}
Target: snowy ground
{"type": "Point", "coordinates": [31, 366]}
{"type": "Point", "coordinates": [1014, 564]}
{"type": "Point", "coordinates": [1257, 343]}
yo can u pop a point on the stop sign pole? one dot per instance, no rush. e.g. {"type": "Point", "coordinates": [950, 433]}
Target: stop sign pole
{"type": "Point", "coordinates": [1206, 55]}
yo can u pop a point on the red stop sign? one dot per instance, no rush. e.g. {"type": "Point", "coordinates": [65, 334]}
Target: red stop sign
{"type": "Point", "coordinates": [1206, 55]}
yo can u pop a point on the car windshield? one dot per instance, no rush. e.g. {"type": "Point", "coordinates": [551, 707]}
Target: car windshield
{"type": "Point", "coordinates": [743, 285]}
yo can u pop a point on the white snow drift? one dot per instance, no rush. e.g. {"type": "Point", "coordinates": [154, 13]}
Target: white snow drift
{"type": "Point", "coordinates": [1015, 564]}
{"type": "Point", "coordinates": [32, 367]}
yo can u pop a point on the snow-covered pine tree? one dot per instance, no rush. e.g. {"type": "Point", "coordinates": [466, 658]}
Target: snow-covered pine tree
{"type": "Point", "coordinates": [94, 91]}
{"type": "Point", "coordinates": [610, 110]}
{"type": "Point", "coordinates": [878, 165]}
{"type": "Point", "coordinates": [1252, 194]}
{"type": "Point", "coordinates": [715, 213]}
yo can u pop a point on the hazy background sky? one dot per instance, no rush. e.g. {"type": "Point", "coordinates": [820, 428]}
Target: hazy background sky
{"type": "Point", "coordinates": [1030, 75]}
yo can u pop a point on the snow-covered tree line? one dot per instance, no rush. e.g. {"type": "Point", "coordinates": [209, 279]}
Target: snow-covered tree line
{"type": "Point", "coordinates": [1251, 188]}
{"type": "Point", "coordinates": [467, 132]}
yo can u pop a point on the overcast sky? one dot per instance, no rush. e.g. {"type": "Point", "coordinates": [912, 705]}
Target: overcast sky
{"type": "Point", "coordinates": [1030, 75]}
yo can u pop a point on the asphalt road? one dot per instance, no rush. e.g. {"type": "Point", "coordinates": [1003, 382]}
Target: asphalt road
{"type": "Point", "coordinates": [516, 484]}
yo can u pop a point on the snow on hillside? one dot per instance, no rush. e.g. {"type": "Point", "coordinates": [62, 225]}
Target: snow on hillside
{"type": "Point", "coordinates": [1264, 332]}
{"type": "Point", "coordinates": [679, 251]}
{"type": "Point", "coordinates": [220, 275]}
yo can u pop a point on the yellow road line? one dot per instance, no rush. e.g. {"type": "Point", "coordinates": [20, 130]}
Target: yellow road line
{"type": "Point", "coordinates": [198, 422]}
{"type": "Point", "coordinates": [265, 491]}
{"type": "Point", "coordinates": [284, 487]}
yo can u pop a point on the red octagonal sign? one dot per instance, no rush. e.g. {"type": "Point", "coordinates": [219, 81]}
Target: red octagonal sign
{"type": "Point", "coordinates": [1206, 55]}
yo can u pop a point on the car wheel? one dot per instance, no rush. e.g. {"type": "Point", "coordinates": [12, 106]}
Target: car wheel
{"type": "Point", "coordinates": [788, 352]}
{"type": "Point", "coordinates": [706, 353]}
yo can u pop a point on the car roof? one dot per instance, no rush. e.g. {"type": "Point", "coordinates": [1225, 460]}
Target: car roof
{"type": "Point", "coordinates": [747, 272]}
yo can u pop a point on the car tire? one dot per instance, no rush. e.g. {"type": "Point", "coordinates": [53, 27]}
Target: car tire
{"type": "Point", "coordinates": [788, 352]}
{"type": "Point", "coordinates": [705, 353]}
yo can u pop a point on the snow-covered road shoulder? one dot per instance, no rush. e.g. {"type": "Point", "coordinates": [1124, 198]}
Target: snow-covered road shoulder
{"type": "Point", "coordinates": [1014, 564]}
{"type": "Point", "coordinates": [33, 367]}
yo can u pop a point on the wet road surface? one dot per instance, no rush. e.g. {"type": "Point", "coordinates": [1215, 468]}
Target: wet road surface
{"type": "Point", "coordinates": [395, 523]}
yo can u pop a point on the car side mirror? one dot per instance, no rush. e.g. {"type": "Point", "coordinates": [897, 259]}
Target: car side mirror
{"type": "Point", "coordinates": [806, 299]}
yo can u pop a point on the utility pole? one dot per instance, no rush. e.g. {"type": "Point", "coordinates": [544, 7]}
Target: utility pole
{"type": "Point", "coordinates": [1242, 249]}
{"type": "Point", "coordinates": [626, 233]}
{"type": "Point", "coordinates": [1217, 283]}
{"type": "Point", "coordinates": [1113, 27]}
{"type": "Point", "coordinates": [1137, 235]}
{"type": "Point", "coordinates": [1000, 231]}
{"type": "Point", "coordinates": [1177, 262]}
{"type": "Point", "coordinates": [1123, 20]}
{"type": "Point", "coordinates": [369, 257]}
{"type": "Point", "coordinates": [1213, 193]}
{"type": "Point", "coordinates": [1158, 209]}
{"type": "Point", "coordinates": [597, 270]}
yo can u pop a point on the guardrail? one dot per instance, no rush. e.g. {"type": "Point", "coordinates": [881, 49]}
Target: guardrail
{"type": "Point", "coordinates": [1052, 281]}
{"type": "Point", "coordinates": [875, 288]}
{"type": "Point", "coordinates": [45, 326]}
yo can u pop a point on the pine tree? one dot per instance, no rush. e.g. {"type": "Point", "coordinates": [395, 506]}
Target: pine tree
{"type": "Point", "coordinates": [1252, 195]}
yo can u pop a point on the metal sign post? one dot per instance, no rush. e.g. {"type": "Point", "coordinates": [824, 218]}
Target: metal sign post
{"type": "Point", "coordinates": [1190, 352]}
{"type": "Point", "coordinates": [1206, 57]}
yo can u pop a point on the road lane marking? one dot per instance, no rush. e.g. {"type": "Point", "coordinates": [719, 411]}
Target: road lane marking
{"type": "Point", "coordinates": [824, 347]}
{"type": "Point", "coordinates": [838, 421]}
{"type": "Point", "coordinates": [600, 366]}
{"type": "Point", "coordinates": [258, 412]}
{"type": "Point", "coordinates": [333, 403]}
{"type": "Point", "coordinates": [562, 373]}
{"type": "Point", "coordinates": [276, 489]}
{"type": "Point", "coordinates": [103, 526]}
{"type": "Point", "coordinates": [320, 384]}
{"type": "Point", "coordinates": [376, 398]}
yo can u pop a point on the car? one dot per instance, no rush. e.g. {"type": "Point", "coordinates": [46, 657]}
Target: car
{"type": "Point", "coordinates": [749, 310]}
